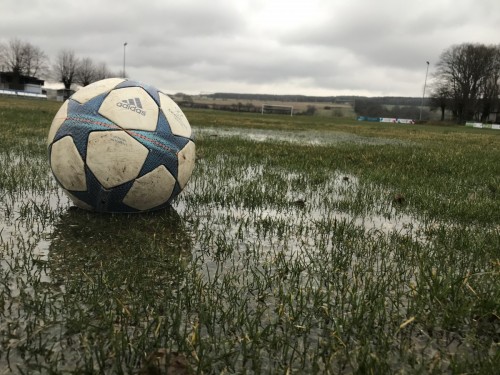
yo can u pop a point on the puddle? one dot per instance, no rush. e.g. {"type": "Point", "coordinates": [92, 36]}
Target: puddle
{"type": "Point", "coordinates": [26, 221]}
{"type": "Point", "coordinates": [295, 229]}
{"type": "Point", "coordinates": [310, 137]}
{"type": "Point", "coordinates": [316, 204]}
{"type": "Point", "coordinates": [43, 243]}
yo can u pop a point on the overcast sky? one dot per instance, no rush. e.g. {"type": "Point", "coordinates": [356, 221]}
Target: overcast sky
{"type": "Point", "coordinates": [310, 47]}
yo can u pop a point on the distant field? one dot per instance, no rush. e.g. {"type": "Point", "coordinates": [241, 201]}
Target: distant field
{"type": "Point", "coordinates": [321, 108]}
{"type": "Point", "coordinates": [334, 109]}
{"type": "Point", "coordinates": [305, 244]}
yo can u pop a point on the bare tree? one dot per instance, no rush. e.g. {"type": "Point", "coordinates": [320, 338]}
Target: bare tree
{"type": "Point", "coordinates": [466, 68]}
{"type": "Point", "coordinates": [65, 67]}
{"type": "Point", "coordinates": [102, 72]}
{"type": "Point", "coordinates": [13, 56]}
{"type": "Point", "coordinates": [35, 60]}
{"type": "Point", "coordinates": [441, 97]}
{"type": "Point", "coordinates": [491, 89]}
{"type": "Point", "coordinates": [22, 58]}
{"type": "Point", "coordinates": [86, 72]}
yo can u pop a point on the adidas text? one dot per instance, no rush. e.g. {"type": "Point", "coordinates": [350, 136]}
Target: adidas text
{"type": "Point", "coordinates": [132, 107]}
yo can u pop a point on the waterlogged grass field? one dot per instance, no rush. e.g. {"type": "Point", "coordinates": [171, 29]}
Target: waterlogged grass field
{"type": "Point", "coordinates": [300, 245]}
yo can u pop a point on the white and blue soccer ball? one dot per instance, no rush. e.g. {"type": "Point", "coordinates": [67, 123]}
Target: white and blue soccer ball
{"type": "Point", "coordinates": [121, 146]}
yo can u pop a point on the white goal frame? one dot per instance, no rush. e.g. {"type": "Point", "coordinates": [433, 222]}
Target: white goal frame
{"type": "Point", "coordinates": [277, 107]}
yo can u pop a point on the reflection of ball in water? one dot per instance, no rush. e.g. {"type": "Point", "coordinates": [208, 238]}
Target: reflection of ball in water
{"type": "Point", "coordinates": [121, 146]}
{"type": "Point", "coordinates": [133, 251]}
{"type": "Point", "coordinates": [115, 272]}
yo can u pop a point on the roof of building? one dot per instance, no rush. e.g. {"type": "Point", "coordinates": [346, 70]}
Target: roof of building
{"type": "Point", "coordinates": [9, 77]}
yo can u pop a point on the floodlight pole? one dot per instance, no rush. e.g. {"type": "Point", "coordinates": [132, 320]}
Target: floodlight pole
{"type": "Point", "coordinates": [124, 47]}
{"type": "Point", "coordinates": [423, 95]}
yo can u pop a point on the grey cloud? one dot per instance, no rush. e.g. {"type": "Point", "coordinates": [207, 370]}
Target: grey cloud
{"type": "Point", "coordinates": [347, 46]}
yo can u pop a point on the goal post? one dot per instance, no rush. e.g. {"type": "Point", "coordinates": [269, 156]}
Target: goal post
{"type": "Point", "coordinates": [277, 109]}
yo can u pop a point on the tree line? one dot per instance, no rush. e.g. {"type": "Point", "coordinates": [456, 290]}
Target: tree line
{"type": "Point", "coordinates": [22, 58]}
{"type": "Point", "coordinates": [466, 82]}
{"type": "Point", "coordinates": [382, 107]}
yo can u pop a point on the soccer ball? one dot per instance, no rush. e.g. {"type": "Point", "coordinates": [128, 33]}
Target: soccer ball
{"type": "Point", "coordinates": [121, 146]}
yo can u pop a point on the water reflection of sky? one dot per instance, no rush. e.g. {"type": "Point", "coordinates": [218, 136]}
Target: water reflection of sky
{"type": "Point", "coordinates": [310, 137]}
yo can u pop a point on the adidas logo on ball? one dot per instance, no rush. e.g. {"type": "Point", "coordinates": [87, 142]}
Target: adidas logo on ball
{"type": "Point", "coordinates": [132, 104]}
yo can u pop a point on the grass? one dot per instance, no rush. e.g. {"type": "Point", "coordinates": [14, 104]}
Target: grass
{"type": "Point", "coordinates": [376, 250]}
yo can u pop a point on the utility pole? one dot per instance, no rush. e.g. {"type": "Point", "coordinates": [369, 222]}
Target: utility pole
{"type": "Point", "coordinates": [124, 47]}
{"type": "Point", "coordinates": [423, 95]}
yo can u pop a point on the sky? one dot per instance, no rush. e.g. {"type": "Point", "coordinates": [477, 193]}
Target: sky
{"type": "Point", "coordinates": [294, 47]}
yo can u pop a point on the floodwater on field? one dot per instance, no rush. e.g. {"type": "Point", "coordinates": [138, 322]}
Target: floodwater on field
{"type": "Point", "coordinates": [24, 226]}
{"type": "Point", "coordinates": [293, 228]}
{"type": "Point", "coordinates": [25, 236]}
{"type": "Point", "coordinates": [310, 137]}
{"type": "Point", "coordinates": [27, 218]}
{"type": "Point", "coordinates": [311, 209]}
{"type": "Point", "coordinates": [259, 251]}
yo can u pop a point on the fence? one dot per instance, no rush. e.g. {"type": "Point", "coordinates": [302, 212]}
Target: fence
{"type": "Point", "coordinates": [480, 125]}
{"type": "Point", "coordinates": [22, 93]}
{"type": "Point", "coordinates": [387, 119]}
